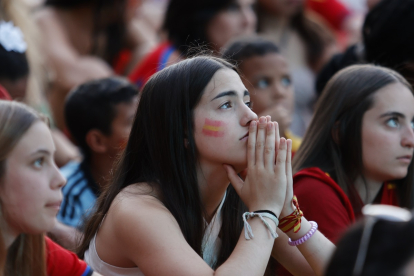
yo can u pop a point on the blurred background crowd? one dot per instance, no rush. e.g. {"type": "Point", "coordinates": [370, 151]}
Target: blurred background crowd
{"type": "Point", "coordinates": [83, 63]}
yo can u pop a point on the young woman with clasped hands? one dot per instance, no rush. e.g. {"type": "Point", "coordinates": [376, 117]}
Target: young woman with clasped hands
{"type": "Point", "coordinates": [170, 204]}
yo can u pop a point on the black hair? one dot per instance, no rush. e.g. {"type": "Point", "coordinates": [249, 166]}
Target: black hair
{"type": "Point", "coordinates": [388, 38]}
{"type": "Point", "coordinates": [247, 47]}
{"type": "Point", "coordinates": [156, 154]}
{"type": "Point", "coordinates": [14, 65]}
{"type": "Point", "coordinates": [186, 22]}
{"type": "Point", "coordinates": [390, 249]}
{"type": "Point", "coordinates": [92, 106]}
{"type": "Point", "coordinates": [115, 31]}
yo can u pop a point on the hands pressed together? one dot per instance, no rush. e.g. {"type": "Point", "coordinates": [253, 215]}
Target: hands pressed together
{"type": "Point", "coordinates": [268, 184]}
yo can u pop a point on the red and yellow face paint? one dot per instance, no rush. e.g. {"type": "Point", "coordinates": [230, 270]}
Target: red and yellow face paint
{"type": "Point", "coordinates": [213, 128]}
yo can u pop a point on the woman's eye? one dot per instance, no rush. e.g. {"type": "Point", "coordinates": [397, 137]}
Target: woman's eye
{"type": "Point", "coordinates": [227, 105]}
{"type": "Point", "coordinates": [38, 163]}
{"type": "Point", "coordinates": [393, 122]}
{"type": "Point", "coordinates": [412, 124]}
{"type": "Point", "coordinates": [286, 82]}
{"type": "Point", "coordinates": [249, 104]}
{"type": "Point", "coordinates": [262, 84]}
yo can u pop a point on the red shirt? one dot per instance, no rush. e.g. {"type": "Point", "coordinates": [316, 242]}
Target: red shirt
{"type": "Point", "coordinates": [332, 11]}
{"type": "Point", "coordinates": [322, 200]}
{"type": "Point", "coordinates": [4, 95]}
{"type": "Point", "coordinates": [62, 262]}
{"type": "Point", "coordinates": [151, 64]}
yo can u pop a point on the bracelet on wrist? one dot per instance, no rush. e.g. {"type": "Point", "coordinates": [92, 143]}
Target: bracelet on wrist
{"type": "Point", "coordinates": [292, 221]}
{"type": "Point", "coordinates": [248, 232]}
{"type": "Point", "coordinates": [306, 237]}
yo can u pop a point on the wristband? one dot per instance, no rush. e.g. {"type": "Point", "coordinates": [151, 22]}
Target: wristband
{"type": "Point", "coordinates": [248, 232]}
{"type": "Point", "coordinates": [306, 237]}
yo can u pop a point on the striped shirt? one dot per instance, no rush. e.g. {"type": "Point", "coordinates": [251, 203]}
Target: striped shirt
{"type": "Point", "coordinates": [79, 194]}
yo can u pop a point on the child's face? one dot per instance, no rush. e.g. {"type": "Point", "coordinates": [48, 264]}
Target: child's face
{"type": "Point", "coordinates": [121, 126]}
{"type": "Point", "coordinates": [221, 121]}
{"type": "Point", "coordinates": [271, 91]}
{"type": "Point", "coordinates": [388, 134]}
{"type": "Point", "coordinates": [30, 191]}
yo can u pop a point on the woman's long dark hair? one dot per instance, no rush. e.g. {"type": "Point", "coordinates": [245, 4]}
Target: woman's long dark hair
{"type": "Point", "coordinates": [333, 141]}
{"type": "Point", "coordinates": [156, 154]}
{"type": "Point", "coordinates": [115, 32]}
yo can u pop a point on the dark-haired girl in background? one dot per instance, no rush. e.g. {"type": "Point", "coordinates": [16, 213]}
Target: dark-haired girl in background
{"type": "Point", "coordinates": [188, 24]}
{"type": "Point", "coordinates": [85, 40]}
{"type": "Point", "coordinates": [170, 204]}
{"type": "Point", "coordinates": [358, 148]}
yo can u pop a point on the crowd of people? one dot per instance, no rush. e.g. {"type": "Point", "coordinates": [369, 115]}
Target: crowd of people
{"type": "Point", "coordinates": [208, 137]}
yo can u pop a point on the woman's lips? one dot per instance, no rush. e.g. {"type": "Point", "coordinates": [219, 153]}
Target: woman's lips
{"type": "Point", "coordinates": [406, 159]}
{"type": "Point", "coordinates": [245, 136]}
{"type": "Point", "coordinates": [54, 205]}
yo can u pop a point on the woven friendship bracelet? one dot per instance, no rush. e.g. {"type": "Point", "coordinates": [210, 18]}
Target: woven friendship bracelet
{"type": "Point", "coordinates": [307, 235]}
{"type": "Point", "coordinates": [293, 220]}
{"type": "Point", "coordinates": [248, 232]}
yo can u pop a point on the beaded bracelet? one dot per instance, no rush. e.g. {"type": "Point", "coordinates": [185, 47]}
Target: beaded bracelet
{"type": "Point", "coordinates": [248, 232]}
{"type": "Point", "coordinates": [306, 236]}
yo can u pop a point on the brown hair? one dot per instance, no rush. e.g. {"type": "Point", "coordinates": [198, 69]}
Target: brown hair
{"type": "Point", "coordinates": [339, 112]}
{"type": "Point", "coordinates": [26, 255]}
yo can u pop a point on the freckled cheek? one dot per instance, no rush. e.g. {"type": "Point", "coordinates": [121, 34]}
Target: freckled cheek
{"type": "Point", "coordinates": [213, 128]}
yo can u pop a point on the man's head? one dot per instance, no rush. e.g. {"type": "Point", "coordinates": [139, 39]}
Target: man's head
{"type": "Point", "coordinates": [99, 115]}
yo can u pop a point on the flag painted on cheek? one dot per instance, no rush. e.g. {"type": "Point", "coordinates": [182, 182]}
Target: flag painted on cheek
{"type": "Point", "coordinates": [213, 128]}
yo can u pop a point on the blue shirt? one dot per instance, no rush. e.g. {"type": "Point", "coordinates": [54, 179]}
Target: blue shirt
{"type": "Point", "coordinates": [79, 194]}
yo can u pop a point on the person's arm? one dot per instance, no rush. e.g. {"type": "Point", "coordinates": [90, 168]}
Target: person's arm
{"type": "Point", "coordinates": [70, 67]}
{"type": "Point", "coordinates": [152, 239]}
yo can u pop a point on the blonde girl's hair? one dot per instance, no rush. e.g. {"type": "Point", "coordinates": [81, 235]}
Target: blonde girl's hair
{"type": "Point", "coordinates": [26, 255]}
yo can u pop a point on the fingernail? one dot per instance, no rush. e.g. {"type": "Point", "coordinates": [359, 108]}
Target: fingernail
{"type": "Point", "coordinates": [253, 123]}
{"type": "Point", "coordinates": [269, 126]}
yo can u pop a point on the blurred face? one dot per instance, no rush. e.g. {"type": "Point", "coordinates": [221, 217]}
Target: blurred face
{"type": "Point", "coordinates": [285, 8]}
{"type": "Point", "coordinates": [30, 190]}
{"type": "Point", "coordinates": [222, 120]}
{"type": "Point", "coordinates": [271, 91]}
{"type": "Point", "coordinates": [121, 126]}
{"type": "Point", "coordinates": [238, 19]}
{"type": "Point", "coordinates": [388, 134]}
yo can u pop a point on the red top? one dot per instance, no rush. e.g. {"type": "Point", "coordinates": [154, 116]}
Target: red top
{"type": "Point", "coordinates": [151, 64]}
{"type": "Point", "coordinates": [62, 262]}
{"type": "Point", "coordinates": [322, 200]}
{"type": "Point", "coordinates": [4, 95]}
{"type": "Point", "coordinates": [332, 11]}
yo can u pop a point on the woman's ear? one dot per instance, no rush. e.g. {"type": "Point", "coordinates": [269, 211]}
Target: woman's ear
{"type": "Point", "coordinates": [96, 141]}
{"type": "Point", "coordinates": [335, 133]}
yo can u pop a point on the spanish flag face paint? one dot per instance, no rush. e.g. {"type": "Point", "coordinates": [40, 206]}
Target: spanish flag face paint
{"type": "Point", "coordinates": [213, 128]}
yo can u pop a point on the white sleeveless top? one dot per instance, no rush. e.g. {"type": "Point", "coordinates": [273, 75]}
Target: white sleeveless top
{"type": "Point", "coordinates": [210, 247]}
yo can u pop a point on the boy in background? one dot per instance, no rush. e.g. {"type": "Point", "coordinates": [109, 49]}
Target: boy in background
{"type": "Point", "coordinates": [265, 73]}
{"type": "Point", "coordinates": [99, 116]}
